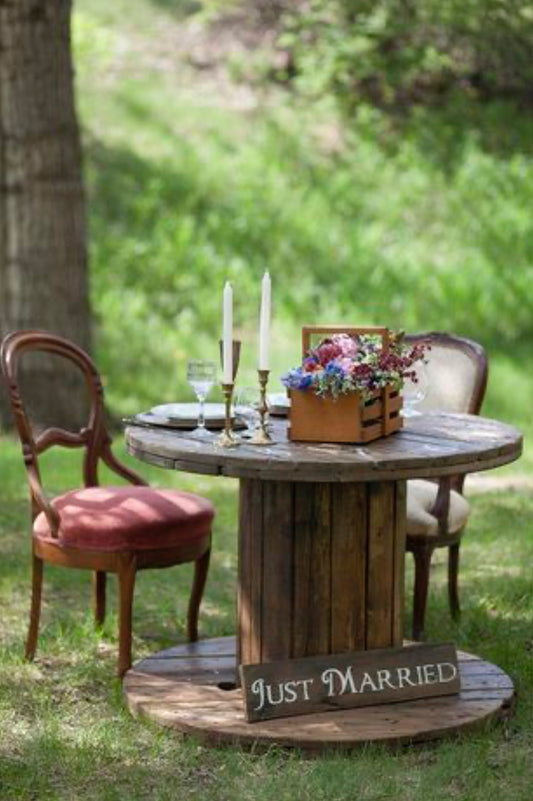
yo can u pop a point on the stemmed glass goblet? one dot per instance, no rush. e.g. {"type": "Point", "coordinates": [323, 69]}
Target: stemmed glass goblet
{"type": "Point", "coordinates": [201, 375]}
{"type": "Point", "coordinates": [247, 407]}
{"type": "Point", "coordinates": [415, 391]}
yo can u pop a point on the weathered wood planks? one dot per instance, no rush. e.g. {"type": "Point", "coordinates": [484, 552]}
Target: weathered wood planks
{"type": "Point", "coordinates": [431, 445]}
{"type": "Point", "coordinates": [276, 581]}
{"type": "Point", "coordinates": [320, 568]}
{"type": "Point", "coordinates": [249, 611]}
{"type": "Point", "coordinates": [342, 515]}
{"type": "Point", "coordinates": [348, 564]}
{"type": "Point", "coordinates": [179, 688]}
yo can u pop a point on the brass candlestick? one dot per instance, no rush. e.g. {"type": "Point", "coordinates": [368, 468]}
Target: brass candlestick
{"type": "Point", "coordinates": [261, 436]}
{"type": "Point", "coordinates": [227, 439]}
{"type": "Point", "coordinates": [236, 350]}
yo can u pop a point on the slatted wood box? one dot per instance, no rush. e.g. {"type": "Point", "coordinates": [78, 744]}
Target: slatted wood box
{"type": "Point", "coordinates": [348, 418]}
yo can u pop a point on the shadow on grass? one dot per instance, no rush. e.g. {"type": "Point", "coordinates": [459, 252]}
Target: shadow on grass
{"type": "Point", "coordinates": [55, 765]}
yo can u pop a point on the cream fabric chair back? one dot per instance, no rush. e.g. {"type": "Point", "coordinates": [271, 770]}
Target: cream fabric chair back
{"type": "Point", "coordinates": [457, 374]}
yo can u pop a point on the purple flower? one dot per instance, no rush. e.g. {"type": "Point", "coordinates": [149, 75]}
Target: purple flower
{"type": "Point", "coordinates": [297, 379]}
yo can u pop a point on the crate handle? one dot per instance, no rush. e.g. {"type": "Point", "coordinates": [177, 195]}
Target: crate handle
{"type": "Point", "coordinates": [309, 330]}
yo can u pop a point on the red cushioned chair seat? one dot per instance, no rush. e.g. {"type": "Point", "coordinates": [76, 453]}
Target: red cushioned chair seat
{"type": "Point", "coordinates": [127, 518]}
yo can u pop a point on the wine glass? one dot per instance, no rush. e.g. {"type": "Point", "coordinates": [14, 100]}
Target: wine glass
{"type": "Point", "coordinates": [201, 375]}
{"type": "Point", "coordinates": [414, 391]}
{"type": "Point", "coordinates": [247, 401]}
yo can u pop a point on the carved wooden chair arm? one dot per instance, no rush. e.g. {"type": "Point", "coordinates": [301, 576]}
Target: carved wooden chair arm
{"type": "Point", "coordinates": [40, 503]}
{"type": "Point", "coordinates": [56, 436]}
{"type": "Point", "coordinates": [109, 458]}
{"type": "Point", "coordinates": [441, 508]}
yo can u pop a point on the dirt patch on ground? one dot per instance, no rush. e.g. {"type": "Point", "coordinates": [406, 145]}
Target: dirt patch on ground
{"type": "Point", "coordinates": [228, 61]}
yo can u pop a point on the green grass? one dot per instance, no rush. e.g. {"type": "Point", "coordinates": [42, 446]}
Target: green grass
{"type": "Point", "coordinates": [67, 734]}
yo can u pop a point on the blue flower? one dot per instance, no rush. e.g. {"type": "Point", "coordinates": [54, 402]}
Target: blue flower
{"type": "Point", "coordinates": [297, 379]}
{"type": "Point", "coordinates": [335, 369]}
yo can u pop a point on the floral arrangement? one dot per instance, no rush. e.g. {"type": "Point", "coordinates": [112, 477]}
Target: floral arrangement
{"type": "Point", "coordinates": [344, 363]}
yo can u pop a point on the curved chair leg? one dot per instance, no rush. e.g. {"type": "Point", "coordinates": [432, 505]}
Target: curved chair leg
{"type": "Point", "coordinates": [453, 573]}
{"type": "Point", "coordinates": [35, 610]}
{"type": "Point", "coordinates": [126, 581]}
{"type": "Point", "coordinates": [99, 587]}
{"type": "Point", "coordinates": [201, 566]}
{"type": "Point", "coordinates": [422, 557]}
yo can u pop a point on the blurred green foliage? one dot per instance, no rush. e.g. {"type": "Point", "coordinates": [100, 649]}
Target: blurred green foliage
{"type": "Point", "coordinates": [398, 52]}
{"type": "Point", "coordinates": [423, 222]}
{"type": "Point", "coordinates": [407, 230]}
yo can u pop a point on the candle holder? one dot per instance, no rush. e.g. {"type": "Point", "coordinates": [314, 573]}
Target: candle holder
{"type": "Point", "coordinates": [236, 350]}
{"type": "Point", "coordinates": [261, 436]}
{"type": "Point", "coordinates": [227, 439]}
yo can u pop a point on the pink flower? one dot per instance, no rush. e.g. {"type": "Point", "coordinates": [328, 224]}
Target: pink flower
{"type": "Point", "coordinates": [347, 344]}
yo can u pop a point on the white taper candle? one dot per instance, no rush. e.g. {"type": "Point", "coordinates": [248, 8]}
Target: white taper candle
{"type": "Point", "coordinates": [264, 323]}
{"type": "Point", "coordinates": [227, 335]}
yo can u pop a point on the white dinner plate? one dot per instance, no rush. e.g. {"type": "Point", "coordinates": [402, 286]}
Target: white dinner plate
{"type": "Point", "coordinates": [188, 412]}
{"type": "Point", "coordinates": [185, 416]}
{"type": "Point", "coordinates": [279, 404]}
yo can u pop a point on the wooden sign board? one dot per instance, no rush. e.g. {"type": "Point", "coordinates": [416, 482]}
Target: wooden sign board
{"type": "Point", "coordinates": [341, 681]}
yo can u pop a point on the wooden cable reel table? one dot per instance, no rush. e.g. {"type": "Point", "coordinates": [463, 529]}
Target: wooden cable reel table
{"type": "Point", "coordinates": [321, 567]}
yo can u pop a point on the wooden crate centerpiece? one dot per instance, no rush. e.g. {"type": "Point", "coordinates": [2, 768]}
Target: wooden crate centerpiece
{"type": "Point", "coordinates": [350, 417]}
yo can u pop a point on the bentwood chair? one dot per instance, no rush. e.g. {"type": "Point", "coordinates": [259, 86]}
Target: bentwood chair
{"type": "Point", "coordinates": [437, 512]}
{"type": "Point", "coordinates": [106, 529]}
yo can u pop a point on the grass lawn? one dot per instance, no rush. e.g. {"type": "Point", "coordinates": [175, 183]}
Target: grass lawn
{"type": "Point", "coordinates": [67, 735]}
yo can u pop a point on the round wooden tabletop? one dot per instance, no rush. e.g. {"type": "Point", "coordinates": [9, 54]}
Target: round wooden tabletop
{"type": "Point", "coordinates": [429, 445]}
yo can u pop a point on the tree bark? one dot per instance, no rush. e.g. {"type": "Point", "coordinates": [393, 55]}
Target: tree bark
{"type": "Point", "coordinates": [43, 247]}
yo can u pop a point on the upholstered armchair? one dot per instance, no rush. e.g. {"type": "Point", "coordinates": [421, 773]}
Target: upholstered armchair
{"type": "Point", "coordinates": [437, 512]}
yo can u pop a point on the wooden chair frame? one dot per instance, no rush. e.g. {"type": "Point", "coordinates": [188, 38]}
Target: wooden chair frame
{"type": "Point", "coordinates": [97, 443]}
{"type": "Point", "coordinates": [422, 547]}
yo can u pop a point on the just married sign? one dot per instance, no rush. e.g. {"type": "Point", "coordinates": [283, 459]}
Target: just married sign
{"type": "Point", "coordinates": [340, 681]}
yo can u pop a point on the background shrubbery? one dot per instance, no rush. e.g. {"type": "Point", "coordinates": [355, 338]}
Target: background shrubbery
{"type": "Point", "coordinates": [395, 53]}
{"type": "Point", "coordinates": [383, 174]}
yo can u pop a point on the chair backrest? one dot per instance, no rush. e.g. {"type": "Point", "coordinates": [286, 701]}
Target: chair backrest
{"type": "Point", "coordinates": [457, 371]}
{"type": "Point", "coordinates": [93, 437]}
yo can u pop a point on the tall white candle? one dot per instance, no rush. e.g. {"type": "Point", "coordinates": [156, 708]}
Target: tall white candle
{"type": "Point", "coordinates": [264, 323]}
{"type": "Point", "coordinates": [227, 335]}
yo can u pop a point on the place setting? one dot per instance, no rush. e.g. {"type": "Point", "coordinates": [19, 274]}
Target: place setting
{"type": "Point", "coordinates": [243, 417]}
{"type": "Point", "coordinates": [201, 419]}
{"type": "Point", "coordinates": [353, 386]}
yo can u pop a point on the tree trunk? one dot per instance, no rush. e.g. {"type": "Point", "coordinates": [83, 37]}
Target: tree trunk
{"type": "Point", "coordinates": [43, 249]}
